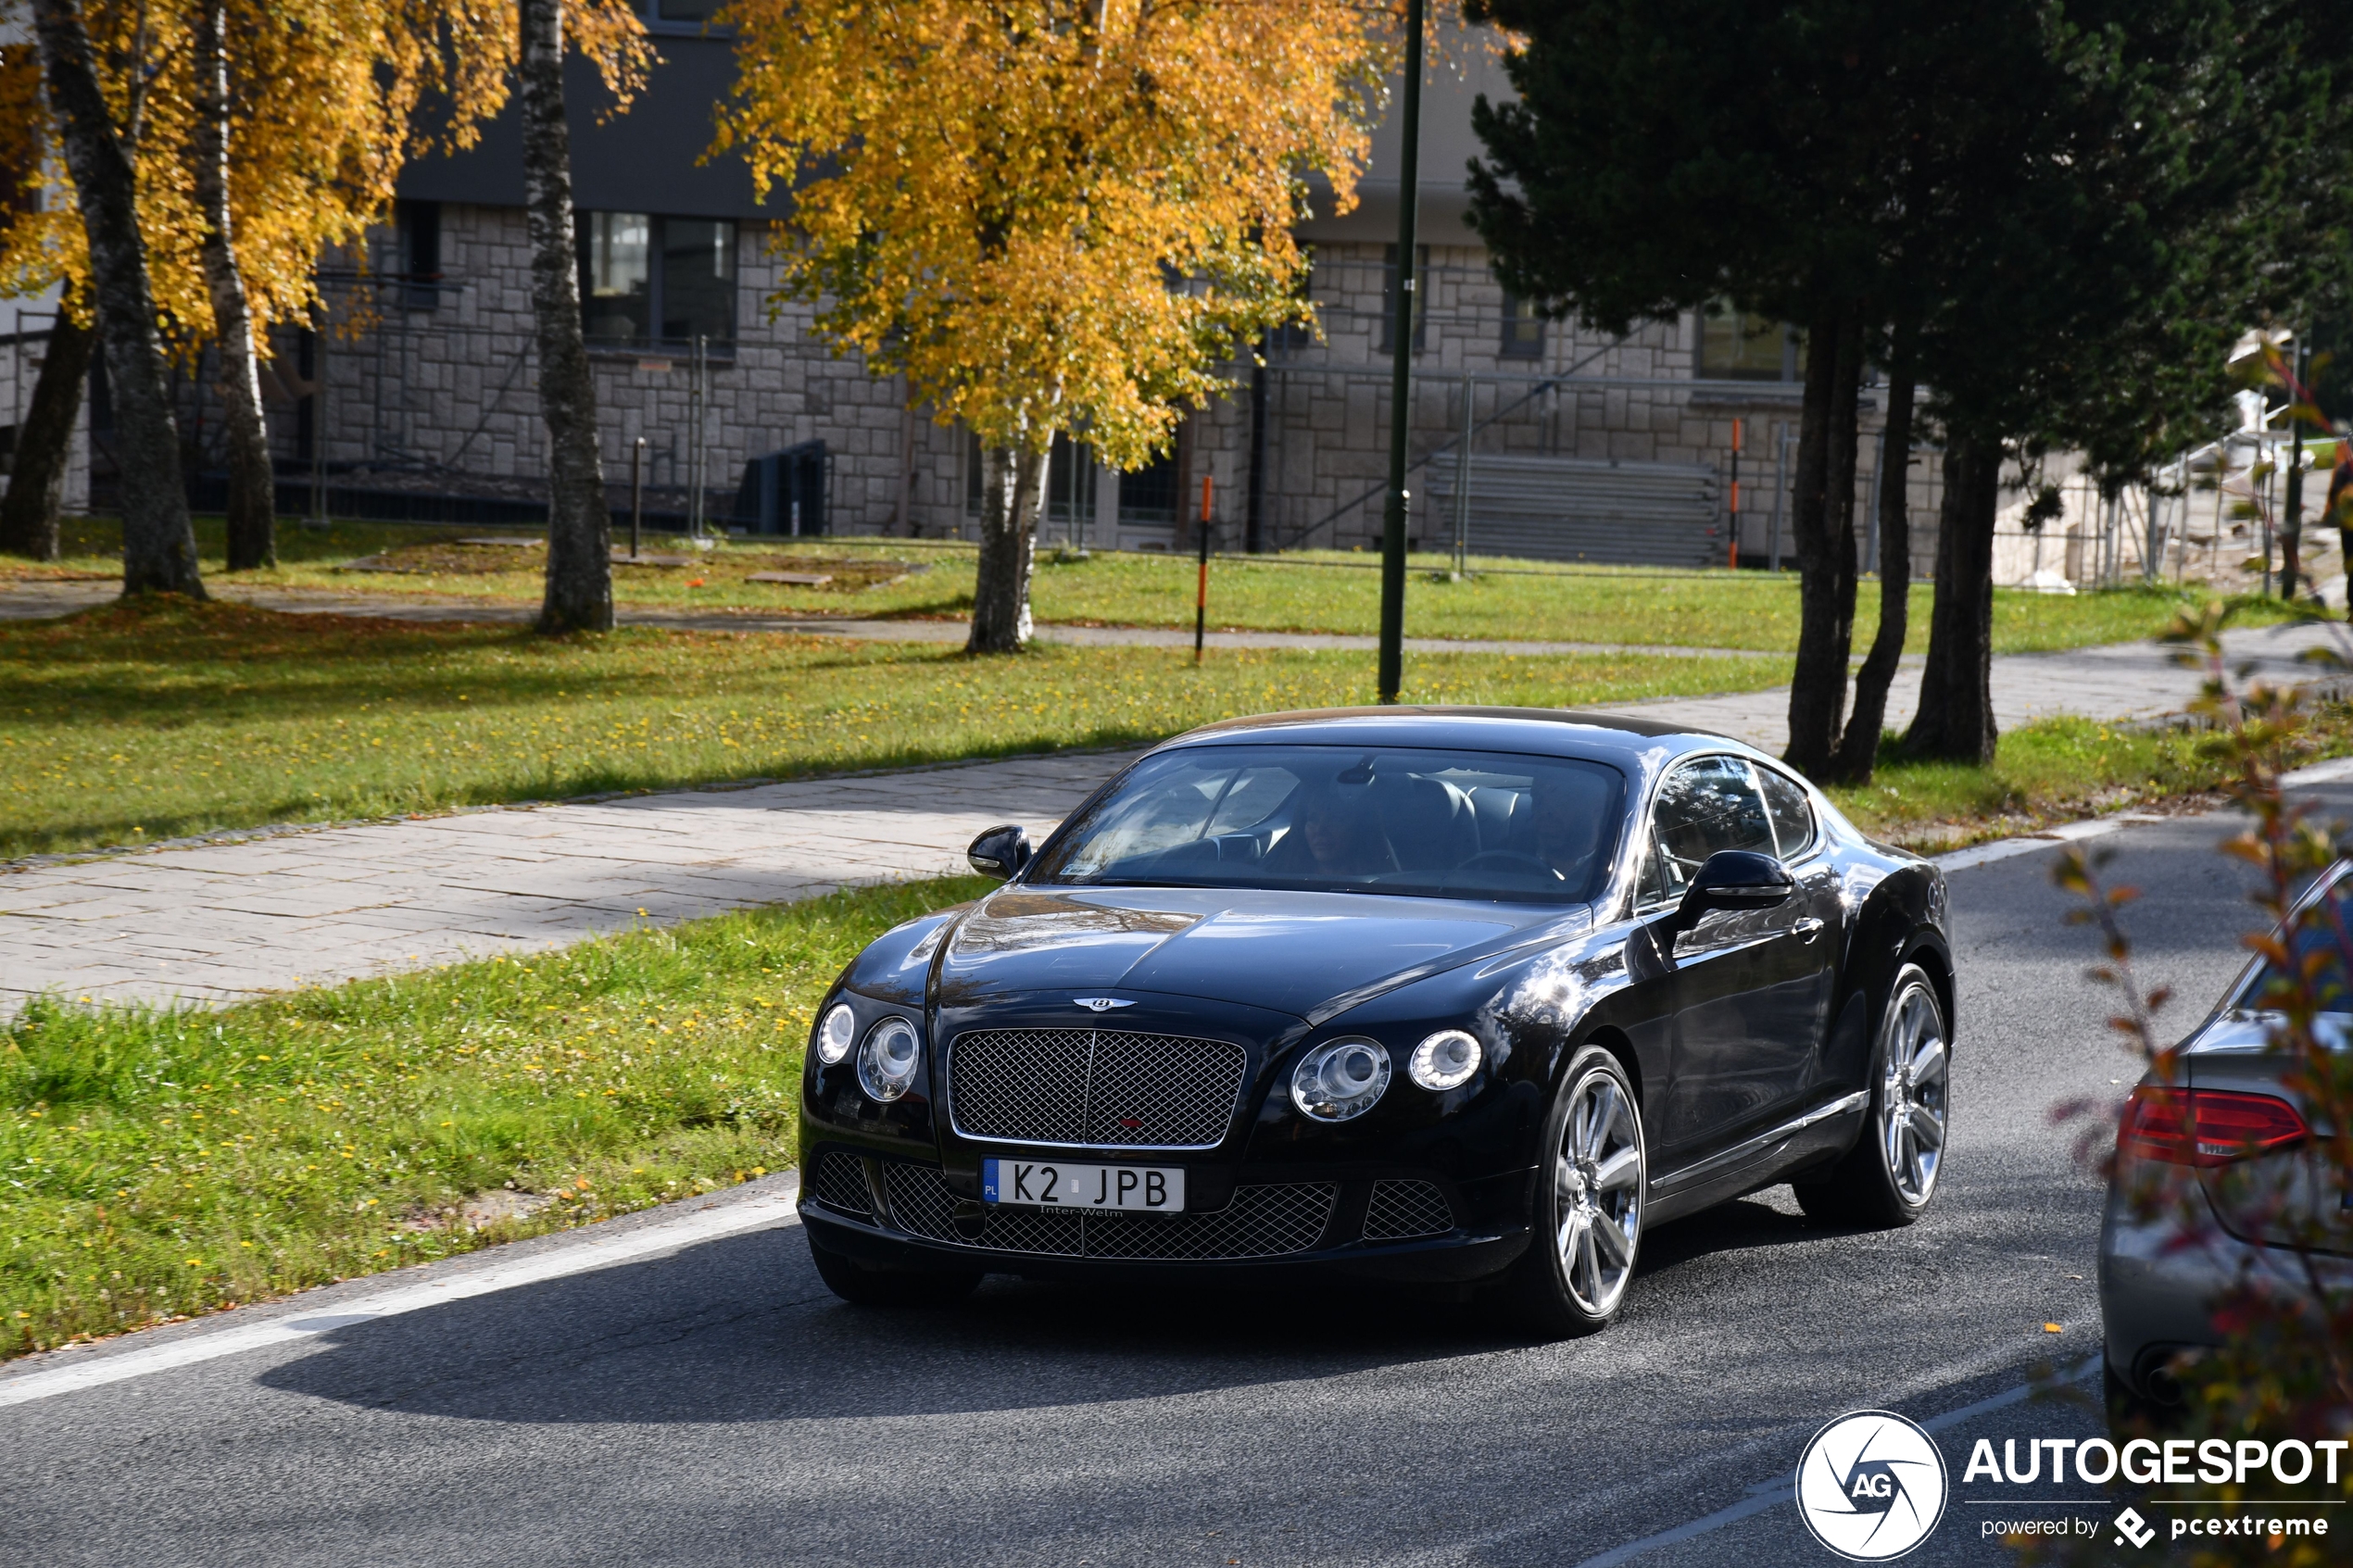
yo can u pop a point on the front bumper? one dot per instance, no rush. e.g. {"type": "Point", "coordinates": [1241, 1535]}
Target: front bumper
{"type": "Point", "coordinates": [906, 1213]}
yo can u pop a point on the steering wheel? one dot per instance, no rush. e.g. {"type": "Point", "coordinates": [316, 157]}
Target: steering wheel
{"type": "Point", "coordinates": [1505, 858]}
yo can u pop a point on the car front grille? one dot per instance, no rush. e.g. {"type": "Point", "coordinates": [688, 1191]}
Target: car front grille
{"type": "Point", "coordinates": [1095, 1087]}
{"type": "Point", "coordinates": [1260, 1221]}
{"type": "Point", "coordinates": [1399, 1210]}
{"type": "Point", "coordinates": [841, 1184]}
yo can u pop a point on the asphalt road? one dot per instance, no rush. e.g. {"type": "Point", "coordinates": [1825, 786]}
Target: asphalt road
{"type": "Point", "coordinates": [718, 1406]}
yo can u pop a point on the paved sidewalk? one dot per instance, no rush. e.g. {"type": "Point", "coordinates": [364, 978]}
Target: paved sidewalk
{"type": "Point", "coordinates": [217, 921]}
{"type": "Point", "coordinates": [2118, 681]}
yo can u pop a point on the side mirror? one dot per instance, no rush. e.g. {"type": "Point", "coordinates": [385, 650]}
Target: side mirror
{"type": "Point", "coordinates": [1000, 852]}
{"type": "Point", "coordinates": [1732, 879]}
{"type": "Point", "coordinates": [1737, 879]}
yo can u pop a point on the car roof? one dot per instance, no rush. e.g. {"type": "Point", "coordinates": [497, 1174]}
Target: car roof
{"type": "Point", "coordinates": [1555, 731]}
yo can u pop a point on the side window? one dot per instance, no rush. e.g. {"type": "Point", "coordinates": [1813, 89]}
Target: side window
{"type": "Point", "coordinates": [1792, 813]}
{"type": "Point", "coordinates": [1704, 807]}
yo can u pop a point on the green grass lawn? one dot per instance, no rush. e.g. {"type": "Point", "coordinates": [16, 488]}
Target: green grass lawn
{"type": "Point", "coordinates": [2056, 771]}
{"type": "Point", "coordinates": [160, 1164]}
{"type": "Point", "coordinates": [1311, 590]}
{"type": "Point", "coordinates": [128, 724]}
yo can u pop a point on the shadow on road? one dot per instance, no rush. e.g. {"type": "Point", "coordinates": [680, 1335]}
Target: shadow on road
{"type": "Point", "coordinates": [742, 1330]}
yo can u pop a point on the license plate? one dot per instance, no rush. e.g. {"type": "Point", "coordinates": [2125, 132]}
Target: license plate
{"type": "Point", "coordinates": [1052, 1184]}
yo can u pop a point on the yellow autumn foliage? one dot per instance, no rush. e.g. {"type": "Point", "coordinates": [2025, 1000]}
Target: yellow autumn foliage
{"type": "Point", "coordinates": [1054, 215]}
{"type": "Point", "coordinates": [329, 99]}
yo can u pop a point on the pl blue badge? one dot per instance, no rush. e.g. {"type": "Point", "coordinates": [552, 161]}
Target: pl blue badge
{"type": "Point", "coordinates": [1871, 1486]}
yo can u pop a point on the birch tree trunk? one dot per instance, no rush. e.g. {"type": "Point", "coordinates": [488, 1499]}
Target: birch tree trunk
{"type": "Point", "coordinates": [253, 484]}
{"type": "Point", "coordinates": [1824, 519]}
{"type": "Point", "coordinates": [579, 590]}
{"type": "Point", "coordinates": [1956, 720]}
{"type": "Point", "coordinates": [1012, 491]}
{"type": "Point", "coordinates": [29, 515]}
{"type": "Point", "coordinates": [159, 546]}
{"type": "Point", "coordinates": [1859, 744]}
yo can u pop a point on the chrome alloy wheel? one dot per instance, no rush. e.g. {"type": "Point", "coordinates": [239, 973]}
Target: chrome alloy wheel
{"type": "Point", "coordinates": [1597, 1186]}
{"type": "Point", "coordinates": [1913, 1102]}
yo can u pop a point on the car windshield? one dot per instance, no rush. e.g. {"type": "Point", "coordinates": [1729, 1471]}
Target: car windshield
{"type": "Point", "coordinates": [1453, 824]}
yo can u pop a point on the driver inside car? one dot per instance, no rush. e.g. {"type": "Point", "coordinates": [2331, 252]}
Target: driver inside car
{"type": "Point", "coordinates": [1333, 836]}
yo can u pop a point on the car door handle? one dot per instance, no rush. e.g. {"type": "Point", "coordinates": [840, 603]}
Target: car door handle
{"type": "Point", "coordinates": [1808, 928]}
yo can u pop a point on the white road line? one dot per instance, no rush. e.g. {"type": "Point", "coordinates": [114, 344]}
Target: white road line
{"type": "Point", "coordinates": [1775, 1490]}
{"type": "Point", "coordinates": [2336, 771]}
{"type": "Point", "coordinates": [582, 1255]}
{"type": "Point", "coordinates": [2003, 849]}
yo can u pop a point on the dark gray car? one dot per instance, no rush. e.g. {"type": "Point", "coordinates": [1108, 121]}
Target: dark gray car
{"type": "Point", "coordinates": [2234, 1181]}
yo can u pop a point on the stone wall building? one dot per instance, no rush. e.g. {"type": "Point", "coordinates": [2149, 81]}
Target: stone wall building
{"type": "Point", "coordinates": [419, 400]}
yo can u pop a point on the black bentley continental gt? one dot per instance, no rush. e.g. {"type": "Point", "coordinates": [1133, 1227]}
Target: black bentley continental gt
{"type": "Point", "coordinates": [1458, 995]}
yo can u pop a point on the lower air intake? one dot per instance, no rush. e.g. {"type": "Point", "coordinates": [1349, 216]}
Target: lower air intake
{"type": "Point", "coordinates": [1260, 1221]}
{"type": "Point", "coordinates": [1402, 1209]}
{"type": "Point", "coordinates": [841, 1184]}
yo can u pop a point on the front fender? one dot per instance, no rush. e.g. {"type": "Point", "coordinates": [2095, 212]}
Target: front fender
{"type": "Point", "coordinates": [1900, 921]}
{"type": "Point", "coordinates": [896, 967]}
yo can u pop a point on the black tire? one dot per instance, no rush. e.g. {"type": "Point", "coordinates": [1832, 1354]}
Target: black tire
{"type": "Point", "coordinates": [1865, 1187]}
{"type": "Point", "coordinates": [1571, 1280]}
{"type": "Point", "coordinates": [857, 1283]}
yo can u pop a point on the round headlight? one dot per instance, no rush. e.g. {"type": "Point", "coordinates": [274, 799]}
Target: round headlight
{"type": "Point", "coordinates": [886, 1062]}
{"type": "Point", "coordinates": [1343, 1079]}
{"type": "Point", "coordinates": [837, 1035]}
{"type": "Point", "coordinates": [1445, 1060]}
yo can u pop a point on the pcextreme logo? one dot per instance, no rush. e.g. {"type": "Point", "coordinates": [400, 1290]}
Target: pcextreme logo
{"type": "Point", "coordinates": [2131, 1527]}
{"type": "Point", "coordinates": [1871, 1486]}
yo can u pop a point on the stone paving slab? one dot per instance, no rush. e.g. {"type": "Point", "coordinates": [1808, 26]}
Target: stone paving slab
{"type": "Point", "coordinates": [209, 923]}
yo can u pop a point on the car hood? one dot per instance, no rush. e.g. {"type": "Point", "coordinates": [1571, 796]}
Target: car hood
{"type": "Point", "coordinates": [1306, 954]}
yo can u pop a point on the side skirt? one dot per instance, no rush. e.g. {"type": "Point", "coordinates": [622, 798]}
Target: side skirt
{"type": "Point", "coordinates": [1827, 1128]}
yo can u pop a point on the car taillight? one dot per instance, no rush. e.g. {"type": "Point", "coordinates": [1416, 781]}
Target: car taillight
{"type": "Point", "coordinates": [2206, 1127]}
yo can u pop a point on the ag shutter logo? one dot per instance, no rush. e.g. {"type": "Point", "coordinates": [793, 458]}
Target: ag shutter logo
{"type": "Point", "coordinates": [1871, 1486]}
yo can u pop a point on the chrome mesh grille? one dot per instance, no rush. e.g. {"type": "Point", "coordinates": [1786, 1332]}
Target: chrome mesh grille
{"type": "Point", "coordinates": [1033, 1230]}
{"type": "Point", "coordinates": [1406, 1208]}
{"type": "Point", "coordinates": [920, 1200]}
{"type": "Point", "coordinates": [1094, 1086]}
{"type": "Point", "coordinates": [841, 1184]}
{"type": "Point", "coordinates": [1261, 1222]}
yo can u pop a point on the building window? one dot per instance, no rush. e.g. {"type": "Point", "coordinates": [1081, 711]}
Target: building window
{"type": "Point", "coordinates": [419, 228]}
{"type": "Point", "coordinates": [1069, 480]}
{"type": "Point", "coordinates": [1297, 337]}
{"type": "Point", "coordinates": [1389, 298]}
{"type": "Point", "coordinates": [1734, 345]}
{"type": "Point", "coordinates": [657, 283]}
{"type": "Point", "coordinates": [1523, 329]}
{"type": "Point", "coordinates": [1149, 495]}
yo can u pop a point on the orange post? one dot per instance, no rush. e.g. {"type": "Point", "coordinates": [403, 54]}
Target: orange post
{"type": "Point", "coordinates": [1201, 597]}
